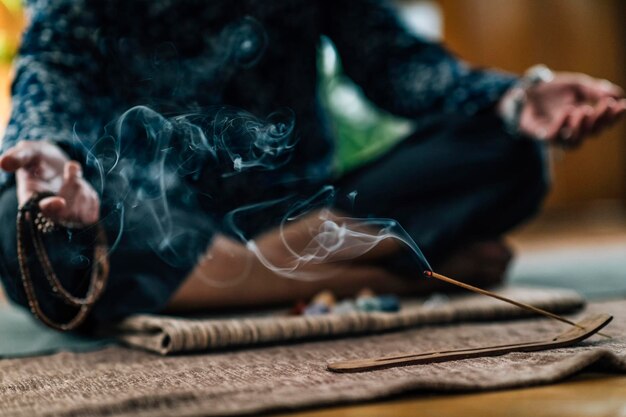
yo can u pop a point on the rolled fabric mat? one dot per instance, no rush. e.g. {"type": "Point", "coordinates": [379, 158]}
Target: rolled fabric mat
{"type": "Point", "coordinates": [167, 335]}
{"type": "Point", "coordinates": [22, 335]}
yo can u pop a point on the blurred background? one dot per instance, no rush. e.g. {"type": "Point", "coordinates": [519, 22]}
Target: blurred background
{"type": "Point", "coordinates": [11, 24]}
{"type": "Point", "coordinates": [580, 238]}
{"type": "Point", "coordinates": [574, 35]}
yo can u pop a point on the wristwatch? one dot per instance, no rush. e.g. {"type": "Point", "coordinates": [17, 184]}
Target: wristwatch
{"type": "Point", "coordinates": [512, 106]}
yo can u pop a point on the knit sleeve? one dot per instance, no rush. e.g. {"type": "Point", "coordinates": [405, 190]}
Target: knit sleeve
{"type": "Point", "coordinates": [399, 71]}
{"type": "Point", "coordinates": [58, 90]}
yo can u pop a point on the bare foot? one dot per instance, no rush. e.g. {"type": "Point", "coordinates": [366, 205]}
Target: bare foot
{"type": "Point", "coordinates": [481, 263]}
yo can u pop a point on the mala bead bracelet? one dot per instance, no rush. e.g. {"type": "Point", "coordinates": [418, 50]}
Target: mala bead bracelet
{"type": "Point", "coordinates": [30, 219]}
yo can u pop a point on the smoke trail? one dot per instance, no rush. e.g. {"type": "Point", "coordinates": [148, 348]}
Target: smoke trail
{"type": "Point", "coordinates": [151, 170]}
{"type": "Point", "coordinates": [330, 238]}
{"type": "Point", "coordinates": [169, 184]}
{"type": "Point", "coordinates": [148, 169]}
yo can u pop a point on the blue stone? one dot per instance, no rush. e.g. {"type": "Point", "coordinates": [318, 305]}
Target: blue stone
{"type": "Point", "coordinates": [368, 304]}
{"type": "Point", "coordinates": [316, 310]}
{"type": "Point", "coordinates": [389, 303]}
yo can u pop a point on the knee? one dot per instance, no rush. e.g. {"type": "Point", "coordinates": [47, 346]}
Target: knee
{"type": "Point", "coordinates": [521, 163]}
{"type": "Point", "coordinates": [520, 185]}
{"type": "Point", "coordinates": [522, 188]}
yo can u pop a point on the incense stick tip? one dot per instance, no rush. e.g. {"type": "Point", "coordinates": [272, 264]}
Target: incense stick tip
{"type": "Point", "coordinates": [428, 273]}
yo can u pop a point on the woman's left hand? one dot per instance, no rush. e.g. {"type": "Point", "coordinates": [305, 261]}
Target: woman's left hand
{"type": "Point", "coordinates": [570, 108]}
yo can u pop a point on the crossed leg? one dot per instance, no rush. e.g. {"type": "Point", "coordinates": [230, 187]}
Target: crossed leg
{"type": "Point", "coordinates": [456, 189]}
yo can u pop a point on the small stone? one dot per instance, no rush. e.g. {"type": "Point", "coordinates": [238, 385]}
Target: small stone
{"type": "Point", "coordinates": [344, 307]}
{"type": "Point", "coordinates": [326, 298]}
{"type": "Point", "coordinates": [389, 303]}
{"type": "Point", "coordinates": [368, 304]}
{"type": "Point", "coordinates": [316, 310]}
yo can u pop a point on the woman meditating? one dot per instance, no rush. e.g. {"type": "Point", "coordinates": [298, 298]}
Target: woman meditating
{"type": "Point", "coordinates": [174, 155]}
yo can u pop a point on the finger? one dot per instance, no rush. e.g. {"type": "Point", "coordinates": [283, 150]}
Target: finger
{"type": "Point", "coordinates": [618, 110]}
{"type": "Point", "coordinates": [81, 210]}
{"type": "Point", "coordinates": [17, 157]}
{"type": "Point", "coordinates": [603, 113]}
{"type": "Point", "coordinates": [621, 111]}
{"type": "Point", "coordinates": [92, 214]}
{"type": "Point", "coordinates": [62, 208]}
{"type": "Point", "coordinates": [609, 111]}
{"type": "Point", "coordinates": [599, 89]}
{"type": "Point", "coordinates": [83, 203]}
{"type": "Point", "coordinates": [553, 130]}
{"type": "Point", "coordinates": [610, 89]}
{"type": "Point", "coordinates": [581, 122]}
{"type": "Point", "coordinates": [54, 208]}
{"type": "Point", "coordinates": [86, 208]}
{"type": "Point", "coordinates": [538, 127]}
{"type": "Point", "coordinates": [567, 133]}
{"type": "Point", "coordinates": [72, 172]}
{"type": "Point", "coordinates": [575, 123]}
{"type": "Point", "coordinates": [82, 206]}
{"type": "Point", "coordinates": [614, 111]}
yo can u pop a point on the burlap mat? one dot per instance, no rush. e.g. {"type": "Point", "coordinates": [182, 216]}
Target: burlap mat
{"type": "Point", "coordinates": [165, 335]}
{"type": "Point", "coordinates": [120, 382]}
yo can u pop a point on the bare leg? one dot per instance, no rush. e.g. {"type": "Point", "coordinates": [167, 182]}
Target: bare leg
{"type": "Point", "coordinates": [231, 275]}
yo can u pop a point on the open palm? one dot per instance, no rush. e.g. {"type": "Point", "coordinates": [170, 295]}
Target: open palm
{"type": "Point", "coordinates": [43, 167]}
{"type": "Point", "coordinates": [570, 108]}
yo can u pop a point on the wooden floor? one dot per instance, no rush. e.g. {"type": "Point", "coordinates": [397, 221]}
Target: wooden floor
{"type": "Point", "coordinates": [584, 396]}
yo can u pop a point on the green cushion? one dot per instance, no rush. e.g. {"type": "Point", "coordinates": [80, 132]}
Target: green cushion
{"type": "Point", "coordinates": [363, 131]}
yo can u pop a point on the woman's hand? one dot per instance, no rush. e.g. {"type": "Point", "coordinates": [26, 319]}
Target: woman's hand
{"type": "Point", "coordinates": [570, 108]}
{"type": "Point", "coordinates": [43, 167]}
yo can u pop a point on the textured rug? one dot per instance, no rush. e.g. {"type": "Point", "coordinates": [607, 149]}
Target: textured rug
{"type": "Point", "coordinates": [165, 335]}
{"type": "Point", "coordinates": [120, 382]}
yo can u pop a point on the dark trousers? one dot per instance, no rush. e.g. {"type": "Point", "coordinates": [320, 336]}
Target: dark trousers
{"type": "Point", "coordinates": [457, 181]}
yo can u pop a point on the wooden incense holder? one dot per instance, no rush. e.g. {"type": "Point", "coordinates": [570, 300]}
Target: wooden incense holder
{"type": "Point", "coordinates": [524, 306]}
{"type": "Point", "coordinates": [583, 330]}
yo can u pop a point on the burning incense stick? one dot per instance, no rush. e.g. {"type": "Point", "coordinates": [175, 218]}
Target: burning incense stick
{"type": "Point", "coordinates": [505, 299]}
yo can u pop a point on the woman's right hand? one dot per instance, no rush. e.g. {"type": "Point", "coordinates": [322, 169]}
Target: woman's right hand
{"type": "Point", "coordinates": [44, 167]}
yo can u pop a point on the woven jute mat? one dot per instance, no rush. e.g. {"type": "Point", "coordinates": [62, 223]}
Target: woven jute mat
{"type": "Point", "coordinates": [118, 381]}
{"type": "Point", "coordinates": [166, 335]}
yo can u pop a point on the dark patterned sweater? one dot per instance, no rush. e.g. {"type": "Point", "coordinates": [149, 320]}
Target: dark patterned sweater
{"type": "Point", "coordinates": [83, 63]}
